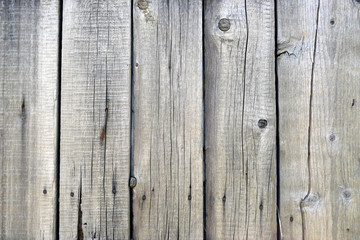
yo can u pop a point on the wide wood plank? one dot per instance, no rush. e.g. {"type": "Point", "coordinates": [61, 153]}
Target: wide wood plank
{"type": "Point", "coordinates": [29, 33]}
{"type": "Point", "coordinates": [168, 119]}
{"type": "Point", "coordinates": [95, 120]}
{"type": "Point", "coordinates": [318, 71]}
{"type": "Point", "coordinates": [240, 121]}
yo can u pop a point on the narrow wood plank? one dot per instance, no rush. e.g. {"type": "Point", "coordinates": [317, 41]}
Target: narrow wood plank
{"type": "Point", "coordinates": [240, 121]}
{"type": "Point", "coordinates": [95, 120]}
{"type": "Point", "coordinates": [28, 118]}
{"type": "Point", "coordinates": [168, 119]}
{"type": "Point", "coordinates": [318, 68]}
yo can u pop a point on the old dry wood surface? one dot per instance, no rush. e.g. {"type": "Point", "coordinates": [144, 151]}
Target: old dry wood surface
{"type": "Point", "coordinates": [179, 119]}
{"type": "Point", "coordinates": [95, 120]}
{"type": "Point", "coordinates": [168, 120]}
{"type": "Point", "coordinates": [29, 33]}
{"type": "Point", "coordinates": [240, 117]}
{"type": "Point", "coordinates": [318, 77]}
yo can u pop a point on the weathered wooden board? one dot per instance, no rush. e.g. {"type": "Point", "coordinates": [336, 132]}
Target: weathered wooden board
{"type": "Point", "coordinates": [318, 74]}
{"type": "Point", "coordinates": [240, 121]}
{"type": "Point", "coordinates": [29, 33]}
{"type": "Point", "coordinates": [95, 120]}
{"type": "Point", "coordinates": [168, 120]}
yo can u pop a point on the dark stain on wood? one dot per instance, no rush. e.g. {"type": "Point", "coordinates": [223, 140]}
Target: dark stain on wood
{"type": "Point", "coordinates": [102, 136]}
{"type": "Point", "coordinates": [103, 132]}
{"type": "Point", "coordinates": [23, 109]}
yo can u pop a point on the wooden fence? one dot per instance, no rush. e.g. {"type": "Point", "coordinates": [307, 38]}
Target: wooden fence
{"type": "Point", "coordinates": [216, 119]}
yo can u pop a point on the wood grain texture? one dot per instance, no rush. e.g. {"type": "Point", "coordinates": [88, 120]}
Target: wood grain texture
{"type": "Point", "coordinates": [239, 97]}
{"type": "Point", "coordinates": [28, 118]}
{"type": "Point", "coordinates": [318, 74]}
{"type": "Point", "coordinates": [168, 119]}
{"type": "Point", "coordinates": [95, 120]}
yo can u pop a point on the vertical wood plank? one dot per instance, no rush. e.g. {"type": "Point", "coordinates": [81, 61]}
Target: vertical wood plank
{"type": "Point", "coordinates": [28, 118]}
{"type": "Point", "coordinates": [168, 119]}
{"type": "Point", "coordinates": [240, 121]}
{"type": "Point", "coordinates": [95, 120]}
{"type": "Point", "coordinates": [318, 72]}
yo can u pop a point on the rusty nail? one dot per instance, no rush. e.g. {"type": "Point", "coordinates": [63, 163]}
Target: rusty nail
{"type": "Point", "coordinates": [132, 182]}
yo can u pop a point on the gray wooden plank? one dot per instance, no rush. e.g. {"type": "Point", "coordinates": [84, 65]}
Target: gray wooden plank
{"type": "Point", "coordinates": [318, 72]}
{"type": "Point", "coordinates": [168, 119]}
{"type": "Point", "coordinates": [28, 118]}
{"type": "Point", "coordinates": [240, 120]}
{"type": "Point", "coordinates": [95, 120]}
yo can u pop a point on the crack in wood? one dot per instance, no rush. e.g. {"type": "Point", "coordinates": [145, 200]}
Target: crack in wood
{"type": "Point", "coordinates": [80, 232]}
{"type": "Point", "coordinates": [309, 128]}
{"type": "Point", "coordinates": [242, 120]}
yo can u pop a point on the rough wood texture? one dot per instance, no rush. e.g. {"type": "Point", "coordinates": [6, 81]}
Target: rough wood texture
{"type": "Point", "coordinates": [95, 120]}
{"type": "Point", "coordinates": [168, 119]}
{"type": "Point", "coordinates": [240, 120]}
{"type": "Point", "coordinates": [28, 118]}
{"type": "Point", "coordinates": [318, 74]}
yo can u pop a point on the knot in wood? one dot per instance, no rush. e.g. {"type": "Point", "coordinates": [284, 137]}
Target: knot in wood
{"type": "Point", "coordinates": [143, 4]}
{"type": "Point", "coordinates": [312, 200]}
{"type": "Point", "coordinates": [346, 197]}
{"type": "Point", "coordinates": [346, 194]}
{"type": "Point", "coordinates": [224, 24]}
{"type": "Point", "coordinates": [332, 137]}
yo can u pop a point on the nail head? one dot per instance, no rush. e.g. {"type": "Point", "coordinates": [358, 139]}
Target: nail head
{"type": "Point", "coordinates": [132, 182]}
{"type": "Point", "coordinates": [262, 123]}
{"type": "Point", "coordinates": [224, 24]}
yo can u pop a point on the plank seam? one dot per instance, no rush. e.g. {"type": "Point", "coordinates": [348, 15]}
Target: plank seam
{"type": "Point", "coordinates": [131, 167]}
{"type": "Point", "coordinates": [58, 131]}
{"type": "Point", "coordinates": [279, 229]}
{"type": "Point", "coordinates": [204, 120]}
